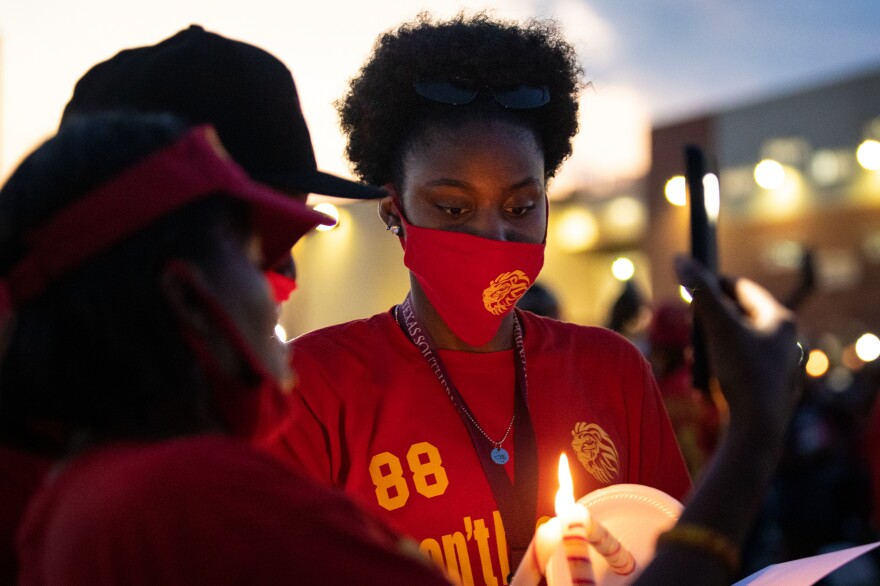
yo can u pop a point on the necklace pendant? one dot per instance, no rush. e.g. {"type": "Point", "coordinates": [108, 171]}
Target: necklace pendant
{"type": "Point", "coordinates": [500, 455]}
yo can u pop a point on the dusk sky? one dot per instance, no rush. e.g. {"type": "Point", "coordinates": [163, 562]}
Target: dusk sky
{"type": "Point", "coordinates": [652, 61]}
{"type": "Point", "coordinates": [703, 54]}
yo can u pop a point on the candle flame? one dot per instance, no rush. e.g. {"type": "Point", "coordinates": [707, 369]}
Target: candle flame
{"type": "Point", "coordinates": [565, 494]}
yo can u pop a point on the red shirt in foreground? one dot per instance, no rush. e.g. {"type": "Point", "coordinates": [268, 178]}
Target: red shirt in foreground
{"type": "Point", "coordinates": [202, 510]}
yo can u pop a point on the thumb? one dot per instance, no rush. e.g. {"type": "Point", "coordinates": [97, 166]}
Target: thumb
{"type": "Point", "coordinates": [709, 302]}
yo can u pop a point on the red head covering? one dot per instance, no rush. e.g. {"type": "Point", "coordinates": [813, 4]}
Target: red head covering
{"type": "Point", "coordinates": [671, 326]}
{"type": "Point", "coordinates": [194, 167]}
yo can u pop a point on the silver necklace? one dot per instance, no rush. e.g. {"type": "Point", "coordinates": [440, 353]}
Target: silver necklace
{"type": "Point", "coordinates": [413, 328]}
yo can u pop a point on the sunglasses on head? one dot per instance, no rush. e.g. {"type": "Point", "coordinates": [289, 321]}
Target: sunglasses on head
{"type": "Point", "coordinates": [459, 92]}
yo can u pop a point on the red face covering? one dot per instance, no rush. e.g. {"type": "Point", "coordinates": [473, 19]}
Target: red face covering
{"type": "Point", "coordinates": [282, 286]}
{"type": "Point", "coordinates": [472, 282]}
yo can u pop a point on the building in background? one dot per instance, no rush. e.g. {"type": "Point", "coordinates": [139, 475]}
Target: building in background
{"type": "Point", "coordinates": [799, 174]}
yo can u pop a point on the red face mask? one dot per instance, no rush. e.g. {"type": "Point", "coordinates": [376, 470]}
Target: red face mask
{"type": "Point", "coordinates": [472, 282]}
{"type": "Point", "coordinates": [282, 286]}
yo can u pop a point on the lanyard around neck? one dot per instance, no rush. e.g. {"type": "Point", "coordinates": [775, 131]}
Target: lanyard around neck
{"type": "Point", "coordinates": [517, 501]}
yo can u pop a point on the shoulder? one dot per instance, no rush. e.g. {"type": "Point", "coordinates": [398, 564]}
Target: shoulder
{"type": "Point", "coordinates": [235, 511]}
{"type": "Point", "coordinates": [122, 475]}
{"type": "Point", "coordinates": [350, 348]}
{"type": "Point", "coordinates": [211, 485]}
{"type": "Point", "coordinates": [346, 336]}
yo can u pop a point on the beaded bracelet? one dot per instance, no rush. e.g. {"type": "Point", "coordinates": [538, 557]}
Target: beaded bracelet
{"type": "Point", "coordinates": [705, 540]}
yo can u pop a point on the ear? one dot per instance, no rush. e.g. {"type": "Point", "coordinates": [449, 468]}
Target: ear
{"type": "Point", "coordinates": [388, 211]}
{"type": "Point", "coordinates": [177, 282]}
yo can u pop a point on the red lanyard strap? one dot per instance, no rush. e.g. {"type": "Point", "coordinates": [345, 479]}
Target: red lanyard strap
{"type": "Point", "coordinates": [517, 501]}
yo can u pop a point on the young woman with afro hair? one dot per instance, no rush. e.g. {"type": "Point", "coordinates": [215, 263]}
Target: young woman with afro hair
{"type": "Point", "coordinates": [446, 415]}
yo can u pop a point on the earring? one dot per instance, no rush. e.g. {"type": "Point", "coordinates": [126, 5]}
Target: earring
{"type": "Point", "coordinates": [394, 230]}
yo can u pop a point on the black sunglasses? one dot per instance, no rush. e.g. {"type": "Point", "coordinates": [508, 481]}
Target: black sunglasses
{"type": "Point", "coordinates": [459, 92]}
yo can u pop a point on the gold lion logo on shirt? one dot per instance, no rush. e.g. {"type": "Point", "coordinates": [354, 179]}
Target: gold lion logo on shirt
{"type": "Point", "coordinates": [596, 451]}
{"type": "Point", "coordinates": [504, 291]}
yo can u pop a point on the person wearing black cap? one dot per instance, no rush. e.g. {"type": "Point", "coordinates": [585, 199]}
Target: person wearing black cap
{"type": "Point", "coordinates": [137, 237]}
{"type": "Point", "coordinates": [246, 93]}
{"type": "Point", "coordinates": [250, 97]}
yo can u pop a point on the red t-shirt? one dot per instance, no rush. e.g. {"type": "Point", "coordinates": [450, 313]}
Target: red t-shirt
{"type": "Point", "coordinates": [370, 416]}
{"type": "Point", "coordinates": [20, 476]}
{"type": "Point", "coordinates": [202, 510]}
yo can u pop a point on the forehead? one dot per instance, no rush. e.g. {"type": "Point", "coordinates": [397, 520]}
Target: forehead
{"type": "Point", "coordinates": [474, 148]}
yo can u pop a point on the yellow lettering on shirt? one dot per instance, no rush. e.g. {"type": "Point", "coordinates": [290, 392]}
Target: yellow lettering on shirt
{"type": "Point", "coordinates": [451, 551]}
{"type": "Point", "coordinates": [387, 474]}
{"type": "Point", "coordinates": [425, 466]}
{"type": "Point", "coordinates": [428, 474]}
{"type": "Point", "coordinates": [431, 547]}
{"type": "Point", "coordinates": [458, 562]}
{"type": "Point", "coordinates": [481, 535]}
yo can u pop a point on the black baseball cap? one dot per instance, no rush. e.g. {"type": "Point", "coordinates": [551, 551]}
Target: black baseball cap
{"type": "Point", "coordinates": [246, 93]}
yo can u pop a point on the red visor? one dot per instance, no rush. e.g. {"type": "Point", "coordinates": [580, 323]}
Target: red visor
{"type": "Point", "coordinates": [196, 166]}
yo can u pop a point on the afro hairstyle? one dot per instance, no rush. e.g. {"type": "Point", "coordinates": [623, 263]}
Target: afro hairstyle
{"type": "Point", "coordinates": [382, 115]}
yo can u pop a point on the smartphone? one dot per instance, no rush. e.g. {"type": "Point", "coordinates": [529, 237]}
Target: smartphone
{"type": "Point", "coordinates": [701, 176]}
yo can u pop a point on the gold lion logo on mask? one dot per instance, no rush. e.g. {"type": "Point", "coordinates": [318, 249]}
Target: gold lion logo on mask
{"type": "Point", "coordinates": [596, 451]}
{"type": "Point", "coordinates": [504, 291]}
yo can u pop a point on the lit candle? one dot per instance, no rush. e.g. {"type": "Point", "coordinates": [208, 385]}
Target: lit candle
{"type": "Point", "coordinates": [577, 531]}
{"type": "Point", "coordinates": [574, 519]}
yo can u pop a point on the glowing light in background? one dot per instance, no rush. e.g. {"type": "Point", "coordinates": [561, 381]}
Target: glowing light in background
{"type": "Point", "coordinates": [817, 363]}
{"type": "Point", "coordinates": [769, 174]}
{"type": "Point", "coordinates": [711, 196]}
{"type": "Point", "coordinates": [826, 168]}
{"type": "Point", "coordinates": [330, 210]}
{"type": "Point", "coordinates": [280, 333]}
{"type": "Point", "coordinates": [785, 254]}
{"type": "Point", "coordinates": [685, 294]}
{"type": "Point", "coordinates": [868, 347]}
{"type": "Point", "coordinates": [784, 192]}
{"type": "Point", "coordinates": [623, 269]}
{"type": "Point", "coordinates": [676, 190]}
{"type": "Point", "coordinates": [868, 155]}
{"type": "Point", "coordinates": [577, 230]}
{"type": "Point", "coordinates": [624, 218]}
